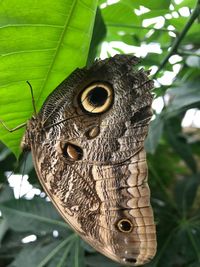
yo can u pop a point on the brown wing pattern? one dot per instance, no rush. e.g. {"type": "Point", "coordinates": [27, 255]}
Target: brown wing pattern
{"type": "Point", "coordinates": [91, 161]}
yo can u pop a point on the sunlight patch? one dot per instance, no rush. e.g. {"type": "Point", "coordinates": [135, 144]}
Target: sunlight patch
{"type": "Point", "coordinates": [21, 186]}
{"type": "Point", "coordinates": [29, 238]}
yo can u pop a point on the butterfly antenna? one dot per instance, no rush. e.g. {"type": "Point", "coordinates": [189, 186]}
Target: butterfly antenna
{"type": "Point", "coordinates": [33, 100]}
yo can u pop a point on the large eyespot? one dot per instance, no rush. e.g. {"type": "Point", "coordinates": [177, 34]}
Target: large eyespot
{"type": "Point", "coordinates": [97, 98]}
{"type": "Point", "coordinates": [125, 225]}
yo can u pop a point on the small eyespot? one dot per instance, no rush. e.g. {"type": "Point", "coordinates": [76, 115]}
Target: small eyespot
{"type": "Point", "coordinates": [97, 98]}
{"type": "Point", "coordinates": [130, 260]}
{"type": "Point", "coordinates": [93, 132]}
{"type": "Point", "coordinates": [125, 225]}
{"type": "Point", "coordinates": [72, 152]}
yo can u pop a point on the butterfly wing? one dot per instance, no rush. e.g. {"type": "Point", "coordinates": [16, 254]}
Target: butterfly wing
{"type": "Point", "coordinates": [88, 150]}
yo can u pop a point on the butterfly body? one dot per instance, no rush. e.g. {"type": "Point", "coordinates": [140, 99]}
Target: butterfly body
{"type": "Point", "coordinates": [87, 144]}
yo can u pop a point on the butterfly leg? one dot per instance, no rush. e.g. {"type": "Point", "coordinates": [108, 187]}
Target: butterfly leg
{"type": "Point", "coordinates": [13, 129]}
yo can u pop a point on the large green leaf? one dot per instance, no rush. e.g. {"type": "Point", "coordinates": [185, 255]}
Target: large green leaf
{"type": "Point", "coordinates": [42, 42]}
{"type": "Point", "coordinates": [120, 14]}
{"type": "Point", "coordinates": [154, 4]}
{"type": "Point", "coordinates": [186, 3]}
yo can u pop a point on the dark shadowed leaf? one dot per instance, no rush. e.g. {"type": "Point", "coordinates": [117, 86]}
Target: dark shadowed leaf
{"type": "Point", "coordinates": [179, 143]}
{"type": "Point", "coordinates": [6, 193]}
{"type": "Point", "coordinates": [39, 254]}
{"type": "Point", "coordinates": [99, 33]}
{"type": "Point", "coordinates": [3, 228]}
{"type": "Point", "coordinates": [31, 215]}
{"type": "Point", "coordinates": [185, 192]}
{"type": "Point", "coordinates": [185, 96]}
{"type": "Point", "coordinates": [77, 256]}
{"type": "Point", "coordinates": [154, 134]}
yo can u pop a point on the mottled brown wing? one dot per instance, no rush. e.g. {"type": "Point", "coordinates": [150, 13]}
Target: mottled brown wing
{"type": "Point", "coordinates": [88, 150]}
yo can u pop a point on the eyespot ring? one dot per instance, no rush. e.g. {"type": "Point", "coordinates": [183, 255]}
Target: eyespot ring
{"type": "Point", "coordinates": [124, 226]}
{"type": "Point", "coordinates": [97, 98]}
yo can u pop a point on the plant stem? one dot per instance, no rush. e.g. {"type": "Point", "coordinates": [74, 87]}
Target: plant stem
{"type": "Point", "coordinates": [178, 40]}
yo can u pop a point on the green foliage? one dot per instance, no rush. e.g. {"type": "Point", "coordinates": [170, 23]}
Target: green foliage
{"type": "Point", "coordinates": [42, 42]}
{"type": "Point", "coordinates": [38, 40]}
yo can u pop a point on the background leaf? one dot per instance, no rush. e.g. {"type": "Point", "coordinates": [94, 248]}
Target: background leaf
{"type": "Point", "coordinates": [154, 135]}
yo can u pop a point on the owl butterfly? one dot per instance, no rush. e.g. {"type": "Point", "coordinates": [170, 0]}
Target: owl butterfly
{"type": "Point", "coordinates": [87, 143]}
